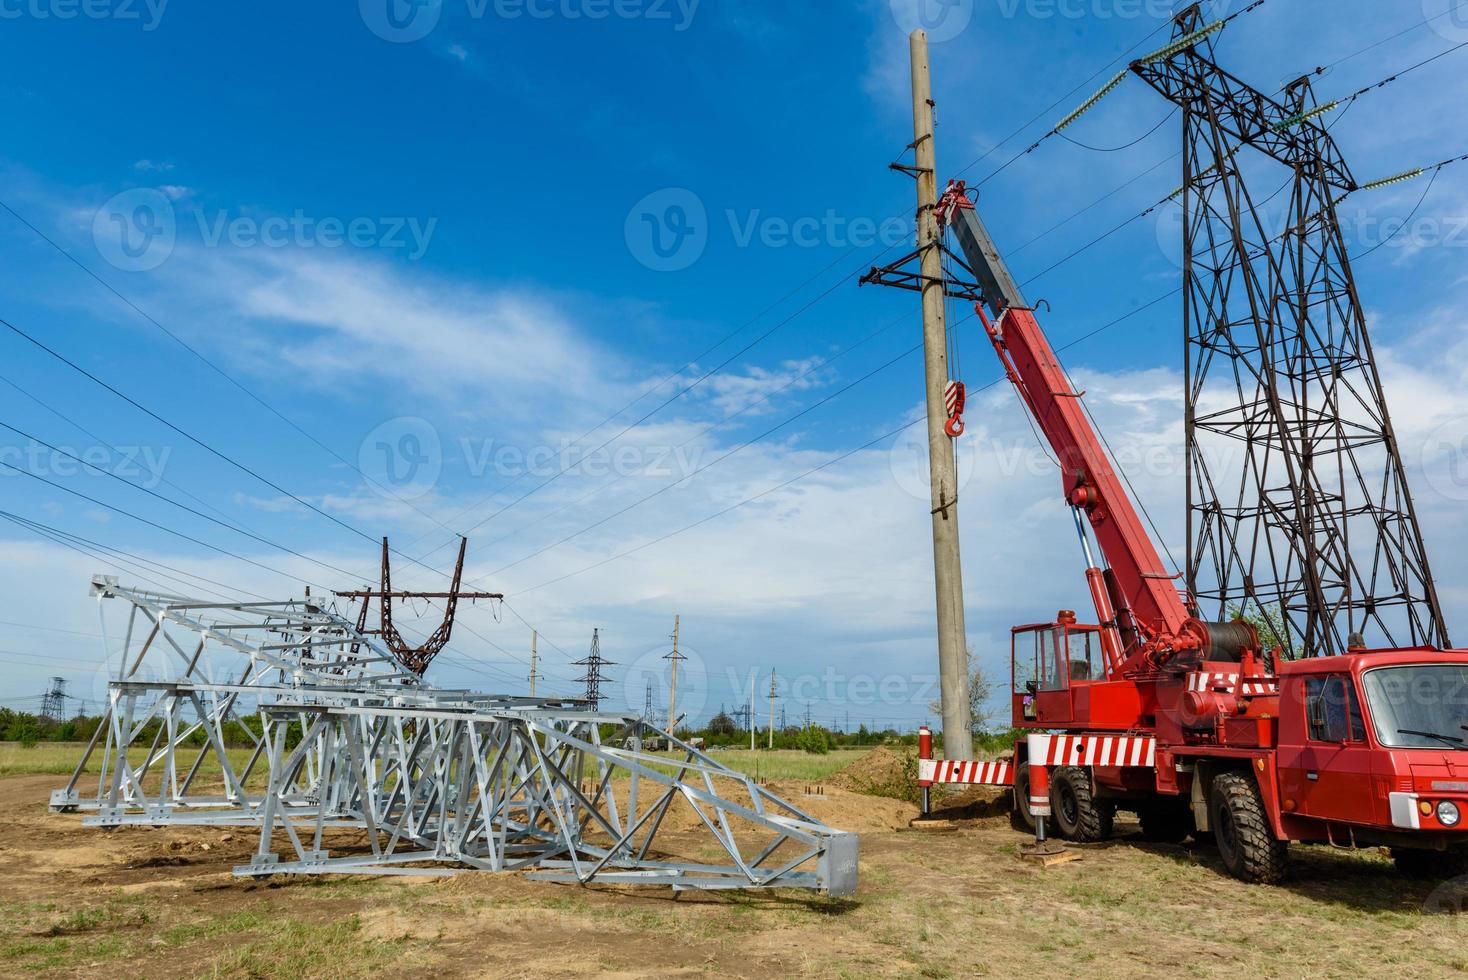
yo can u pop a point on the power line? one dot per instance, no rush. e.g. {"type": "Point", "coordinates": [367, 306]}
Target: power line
{"type": "Point", "coordinates": [821, 365]}
{"type": "Point", "coordinates": [829, 463]}
{"type": "Point", "coordinates": [175, 503]}
{"type": "Point", "coordinates": [708, 374]}
{"type": "Point", "coordinates": [60, 537]}
{"type": "Point", "coordinates": [739, 448]}
{"type": "Point", "coordinates": [207, 362]}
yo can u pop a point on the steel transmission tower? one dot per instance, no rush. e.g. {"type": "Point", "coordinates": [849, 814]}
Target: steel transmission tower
{"type": "Point", "coordinates": [53, 702]}
{"type": "Point", "coordinates": [593, 663]}
{"type": "Point", "coordinates": [1298, 509]}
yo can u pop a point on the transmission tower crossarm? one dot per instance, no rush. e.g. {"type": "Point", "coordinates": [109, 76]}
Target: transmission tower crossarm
{"type": "Point", "coordinates": [415, 658]}
{"type": "Point", "coordinates": [1288, 133]}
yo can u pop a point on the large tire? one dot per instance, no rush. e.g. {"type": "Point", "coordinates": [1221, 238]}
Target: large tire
{"type": "Point", "coordinates": [1246, 842]}
{"type": "Point", "coordinates": [1430, 865]}
{"type": "Point", "coordinates": [1165, 821]}
{"type": "Point", "coordinates": [1079, 816]}
{"type": "Point", "coordinates": [1019, 815]}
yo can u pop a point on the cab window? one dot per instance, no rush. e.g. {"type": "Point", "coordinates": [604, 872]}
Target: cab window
{"type": "Point", "coordinates": [1332, 710]}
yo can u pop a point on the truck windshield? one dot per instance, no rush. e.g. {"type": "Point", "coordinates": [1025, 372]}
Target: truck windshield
{"type": "Point", "coordinates": [1418, 706]}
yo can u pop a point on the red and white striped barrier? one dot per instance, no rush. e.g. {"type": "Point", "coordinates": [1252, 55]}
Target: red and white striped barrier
{"type": "Point", "coordinates": [968, 773]}
{"type": "Point", "coordinates": [1202, 680]}
{"type": "Point", "coordinates": [1092, 750]}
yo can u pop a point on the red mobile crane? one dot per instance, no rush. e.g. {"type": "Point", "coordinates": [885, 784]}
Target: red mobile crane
{"type": "Point", "coordinates": [1193, 724]}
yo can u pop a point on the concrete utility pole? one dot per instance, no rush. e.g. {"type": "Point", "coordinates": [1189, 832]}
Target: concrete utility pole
{"type": "Point", "coordinates": [947, 572]}
{"type": "Point", "coordinates": [534, 636]}
{"type": "Point", "coordinates": [675, 656]}
{"type": "Point", "coordinates": [772, 710]}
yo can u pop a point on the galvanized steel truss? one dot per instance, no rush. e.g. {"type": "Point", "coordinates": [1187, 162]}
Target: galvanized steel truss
{"type": "Point", "coordinates": [430, 780]}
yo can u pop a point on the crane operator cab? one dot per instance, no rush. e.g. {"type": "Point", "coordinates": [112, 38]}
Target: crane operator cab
{"type": "Point", "coordinates": [1050, 664]}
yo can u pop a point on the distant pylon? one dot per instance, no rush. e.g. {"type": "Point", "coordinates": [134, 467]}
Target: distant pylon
{"type": "Point", "coordinates": [53, 702]}
{"type": "Point", "coordinates": [593, 663]}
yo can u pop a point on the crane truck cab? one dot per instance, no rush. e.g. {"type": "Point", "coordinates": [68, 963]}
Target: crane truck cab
{"type": "Point", "coordinates": [1373, 750]}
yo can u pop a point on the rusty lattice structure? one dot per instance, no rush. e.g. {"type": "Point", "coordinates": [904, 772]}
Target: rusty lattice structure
{"type": "Point", "coordinates": [1298, 506]}
{"type": "Point", "coordinates": [415, 657]}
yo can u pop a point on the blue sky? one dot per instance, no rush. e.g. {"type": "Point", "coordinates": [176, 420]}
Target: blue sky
{"type": "Point", "coordinates": [434, 254]}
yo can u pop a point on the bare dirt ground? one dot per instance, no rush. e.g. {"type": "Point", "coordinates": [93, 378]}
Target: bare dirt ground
{"type": "Point", "coordinates": [162, 903]}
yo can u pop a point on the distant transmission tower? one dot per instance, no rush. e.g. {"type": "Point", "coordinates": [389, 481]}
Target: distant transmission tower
{"type": "Point", "coordinates": [53, 702]}
{"type": "Point", "coordinates": [647, 701]}
{"type": "Point", "coordinates": [593, 663]}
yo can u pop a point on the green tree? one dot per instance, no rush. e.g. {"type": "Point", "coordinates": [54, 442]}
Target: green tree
{"type": "Point", "coordinates": [980, 690]}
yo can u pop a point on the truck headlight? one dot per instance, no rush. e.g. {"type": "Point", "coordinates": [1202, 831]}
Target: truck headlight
{"type": "Point", "coordinates": [1447, 814]}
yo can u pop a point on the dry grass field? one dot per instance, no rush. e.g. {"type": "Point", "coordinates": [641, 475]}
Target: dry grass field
{"type": "Point", "coordinates": [161, 902]}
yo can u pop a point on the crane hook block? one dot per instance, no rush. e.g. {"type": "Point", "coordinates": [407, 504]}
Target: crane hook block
{"type": "Point", "coordinates": [954, 397]}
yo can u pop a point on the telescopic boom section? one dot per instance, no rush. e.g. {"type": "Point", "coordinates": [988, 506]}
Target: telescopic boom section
{"type": "Point", "coordinates": [1137, 601]}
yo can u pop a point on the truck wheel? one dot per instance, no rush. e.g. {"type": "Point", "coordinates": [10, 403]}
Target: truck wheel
{"type": "Point", "coordinates": [1246, 842]}
{"type": "Point", "coordinates": [1019, 815]}
{"type": "Point", "coordinates": [1430, 865]}
{"type": "Point", "coordinates": [1165, 821]}
{"type": "Point", "coordinates": [1079, 816]}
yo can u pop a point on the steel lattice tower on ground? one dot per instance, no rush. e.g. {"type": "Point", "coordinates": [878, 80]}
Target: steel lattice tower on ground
{"type": "Point", "coordinates": [1298, 504]}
